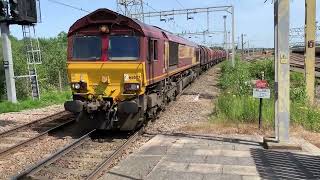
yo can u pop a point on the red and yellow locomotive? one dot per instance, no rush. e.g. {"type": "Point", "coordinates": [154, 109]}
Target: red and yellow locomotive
{"type": "Point", "coordinates": [123, 71]}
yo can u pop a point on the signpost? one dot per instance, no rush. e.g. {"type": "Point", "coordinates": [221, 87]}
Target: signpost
{"type": "Point", "coordinates": [261, 91]}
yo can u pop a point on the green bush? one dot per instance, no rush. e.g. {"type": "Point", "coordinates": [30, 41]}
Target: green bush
{"type": "Point", "coordinates": [237, 80]}
{"type": "Point", "coordinates": [54, 55]}
{"type": "Point", "coordinates": [236, 104]}
{"type": "Point", "coordinates": [243, 109]}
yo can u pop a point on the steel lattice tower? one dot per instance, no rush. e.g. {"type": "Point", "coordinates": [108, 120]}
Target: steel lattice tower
{"type": "Point", "coordinates": [129, 7]}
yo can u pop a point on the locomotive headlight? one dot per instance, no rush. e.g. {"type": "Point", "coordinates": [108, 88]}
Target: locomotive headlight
{"type": "Point", "coordinates": [132, 87]}
{"type": "Point", "coordinates": [104, 29]}
{"type": "Point", "coordinates": [79, 87]}
{"type": "Point", "coordinates": [76, 86]}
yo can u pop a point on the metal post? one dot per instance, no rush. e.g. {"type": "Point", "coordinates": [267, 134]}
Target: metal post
{"type": "Point", "coordinates": [208, 21]}
{"type": "Point", "coordinates": [260, 112]}
{"type": "Point", "coordinates": [60, 81]}
{"type": "Point", "coordinates": [282, 70]}
{"type": "Point", "coordinates": [225, 32]}
{"type": "Point", "coordinates": [310, 34]}
{"type": "Point", "coordinates": [233, 31]}
{"type": "Point", "coordinates": [248, 48]}
{"type": "Point", "coordinates": [242, 44]}
{"type": "Point", "coordinates": [8, 63]}
{"type": "Point", "coordinates": [142, 9]}
{"type": "Point", "coordinates": [228, 45]}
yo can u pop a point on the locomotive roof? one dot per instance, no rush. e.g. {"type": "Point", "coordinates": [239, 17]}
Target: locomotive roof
{"type": "Point", "coordinates": [106, 16]}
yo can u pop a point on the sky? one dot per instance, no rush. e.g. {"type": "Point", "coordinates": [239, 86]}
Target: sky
{"type": "Point", "coordinates": [252, 17]}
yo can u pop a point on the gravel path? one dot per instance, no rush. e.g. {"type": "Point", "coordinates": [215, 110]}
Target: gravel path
{"type": "Point", "coordinates": [14, 119]}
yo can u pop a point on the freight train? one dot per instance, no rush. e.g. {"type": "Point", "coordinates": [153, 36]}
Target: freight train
{"type": "Point", "coordinates": [123, 72]}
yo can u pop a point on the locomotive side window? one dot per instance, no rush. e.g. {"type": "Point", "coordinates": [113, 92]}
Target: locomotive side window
{"type": "Point", "coordinates": [87, 48]}
{"type": "Point", "coordinates": [153, 50]}
{"type": "Point", "coordinates": [123, 48]}
{"type": "Point", "coordinates": [173, 53]}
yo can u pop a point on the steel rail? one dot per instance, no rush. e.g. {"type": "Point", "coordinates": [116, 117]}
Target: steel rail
{"type": "Point", "coordinates": [37, 167]}
{"type": "Point", "coordinates": [28, 141]}
{"type": "Point", "coordinates": [54, 116]}
{"type": "Point", "coordinates": [108, 162]}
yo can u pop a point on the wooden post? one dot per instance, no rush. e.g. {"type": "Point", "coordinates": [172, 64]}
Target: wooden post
{"type": "Point", "coordinates": [310, 34]}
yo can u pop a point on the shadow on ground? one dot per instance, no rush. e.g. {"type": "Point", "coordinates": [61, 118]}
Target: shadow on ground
{"type": "Point", "coordinates": [4, 123]}
{"type": "Point", "coordinates": [285, 165]}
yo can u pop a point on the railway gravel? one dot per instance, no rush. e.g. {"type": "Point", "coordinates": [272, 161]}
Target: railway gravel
{"type": "Point", "coordinates": [192, 107]}
{"type": "Point", "coordinates": [14, 119]}
{"type": "Point", "coordinates": [16, 162]}
{"type": "Point", "coordinates": [75, 165]}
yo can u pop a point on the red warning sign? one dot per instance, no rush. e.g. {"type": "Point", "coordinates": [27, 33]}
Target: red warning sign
{"type": "Point", "coordinates": [262, 84]}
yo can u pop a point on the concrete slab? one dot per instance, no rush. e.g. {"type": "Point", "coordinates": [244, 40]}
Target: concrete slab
{"type": "Point", "coordinates": [137, 168]}
{"type": "Point", "coordinates": [172, 175]}
{"type": "Point", "coordinates": [222, 177]}
{"type": "Point", "coordinates": [270, 143]}
{"type": "Point", "coordinates": [203, 157]}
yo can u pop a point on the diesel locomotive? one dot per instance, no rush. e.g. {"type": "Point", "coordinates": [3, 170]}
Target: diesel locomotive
{"type": "Point", "coordinates": [123, 72]}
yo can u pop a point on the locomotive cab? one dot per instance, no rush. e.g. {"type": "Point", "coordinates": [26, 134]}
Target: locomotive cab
{"type": "Point", "coordinates": [106, 69]}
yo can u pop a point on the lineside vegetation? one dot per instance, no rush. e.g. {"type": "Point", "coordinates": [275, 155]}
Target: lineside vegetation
{"type": "Point", "coordinates": [47, 99]}
{"type": "Point", "coordinates": [54, 55]}
{"type": "Point", "coordinates": [236, 104]}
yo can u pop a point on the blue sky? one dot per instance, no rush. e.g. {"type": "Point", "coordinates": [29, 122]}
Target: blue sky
{"type": "Point", "coordinates": [253, 17]}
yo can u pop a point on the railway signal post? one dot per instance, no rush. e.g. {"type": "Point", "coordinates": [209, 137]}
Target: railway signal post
{"type": "Point", "coordinates": [310, 34]}
{"type": "Point", "coordinates": [8, 63]}
{"type": "Point", "coordinates": [22, 12]}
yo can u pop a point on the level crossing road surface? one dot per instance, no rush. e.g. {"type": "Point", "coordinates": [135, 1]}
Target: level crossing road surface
{"type": "Point", "coordinates": [183, 156]}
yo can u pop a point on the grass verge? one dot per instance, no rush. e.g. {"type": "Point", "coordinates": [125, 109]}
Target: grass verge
{"type": "Point", "coordinates": [47, 99]}
{"type": "Point", "coordinates": [236, 104]}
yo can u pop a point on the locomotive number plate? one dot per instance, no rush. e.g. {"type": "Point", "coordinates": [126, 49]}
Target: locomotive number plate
{"type": "Point", "coordinates": [132, 77]}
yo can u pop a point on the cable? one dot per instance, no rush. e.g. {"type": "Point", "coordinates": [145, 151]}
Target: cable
{"type": "Point", "coordinates": [70, 6]}
{"type": "Point", "coordinates": [185, 8]}
{"type": "Point", "coordinates": [149, 6]}
{"type": "Point", "coordinates": [180, 4]}
{"type": "Point", "coordinates": [159, 11]}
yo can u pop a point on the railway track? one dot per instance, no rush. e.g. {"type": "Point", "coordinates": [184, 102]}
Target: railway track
{"type": "Point", "coordinates": [297, 60]}
{"type": "Point", "coordinates": [23, 135]}
{"type": "Point", "coordinates": [297, 63]}
{"type": "Point", "coordinates": [85, 158]}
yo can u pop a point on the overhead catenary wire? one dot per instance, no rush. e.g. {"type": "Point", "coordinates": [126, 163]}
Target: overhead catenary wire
{"type": "Point", "coordinates": [159, 11]}
{"type": "Point", "coordinates": [149, 6]}
{"type": "Point", "coordinates": [68, 5]}
{"type": "Point", "coordinates": [180, 3]}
